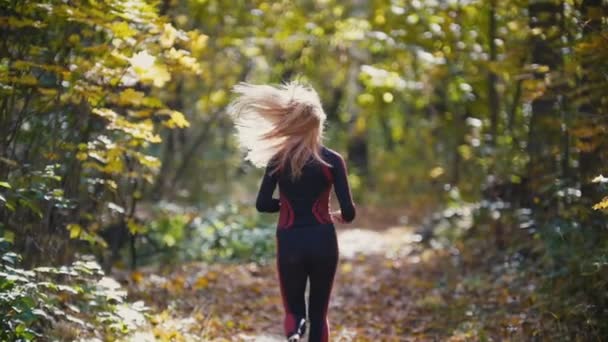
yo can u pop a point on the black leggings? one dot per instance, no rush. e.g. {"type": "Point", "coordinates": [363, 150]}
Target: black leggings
{"type": "Point", "coordinates": [307, 253]}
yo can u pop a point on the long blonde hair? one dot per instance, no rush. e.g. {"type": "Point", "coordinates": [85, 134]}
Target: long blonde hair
{"type": "Point", "coordinates": [282, 123]}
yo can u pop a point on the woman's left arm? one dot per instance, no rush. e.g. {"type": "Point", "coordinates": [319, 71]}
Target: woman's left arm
{"type": "Point", "coordinates": [264, 202]}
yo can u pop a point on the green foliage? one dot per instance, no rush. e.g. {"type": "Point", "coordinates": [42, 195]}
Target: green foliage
{"type": "Point", "coordinates": [226, 232]}
{"type": "Point", "coordinates": [51, 301]}
{"type": "Point", "coordinates": [233, 233]}
{"type": "Point", "coordinates": [79, 116]}
{"type": "Point", "coordinates": [491, 110]}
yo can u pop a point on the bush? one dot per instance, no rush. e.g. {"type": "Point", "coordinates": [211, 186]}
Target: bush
{"type": "Point", "coordinates": [226, 232]}
{"type": "Point", "coordinates": [60, 302]}
{"type": "Point", "coordinates": [231, 233]}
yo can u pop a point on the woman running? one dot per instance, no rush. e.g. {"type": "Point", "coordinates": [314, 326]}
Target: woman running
{"type": "Point", "coordinates": [282, 130]}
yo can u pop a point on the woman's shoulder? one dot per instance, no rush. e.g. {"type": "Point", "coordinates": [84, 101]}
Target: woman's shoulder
{"type": "Point", "coordinates": [331, 155]}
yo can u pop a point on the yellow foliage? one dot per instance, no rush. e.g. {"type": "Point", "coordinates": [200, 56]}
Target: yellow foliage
{"type": "Point", "coordinates": [365, 99]}
{"type": "Point", "coordinates": [183, 58]}
{"type": "Point", "coordinates": [157, 74]}
{"type": "Point", "coordinates": [114, 162]}
{"type": "Point", "coordinates": [218, 97]}
{"type": "Point", "coordinates": [74, 229]}
{"type": "Point", "coordinates": [387, 97]}
{"type": "Point", "coordinates": [148, 70]}
{"type": "Point", "coordinates": [134, 227]}
{"type": "Point", "coordinates": [346, 267]}
{"type": "Point", "coordinates": [360, 124]}
{"type": "Point", "coordinates": [587, 131]}
{"type": "Point", "coordinates": [122, 29]}
{"type": "Point", "coordinates": [130, 97]}
{"type": "Point", "coordinates": [137, 277]}
{"type": "Point", "coordinates": [146, 160]}
{"type": "Point", "coordinates": [602, 205]}
{"type": "Point", "coordinates": [465, 151]}
{"type": "Point", "coordinates": [167, 38]}
{"type": "Point", "coordinates": [201, 283]}
{"type": "Point", "coordinates": [587, 146]}
{"type": "Point", "coordinates": [436, 172]}
{"type": "Point", "coordinates": [16, 23]}
{"type": "Point", "coordinates": [47, 91]}
{"type": "Point", "coordinates": [140, 130]}
{"type": "Point", "coordinates": [177, 119]}
{"type": "Point", "coordinates": [29, 80]}
{"type": "Point", "coordinates": [198, 41]}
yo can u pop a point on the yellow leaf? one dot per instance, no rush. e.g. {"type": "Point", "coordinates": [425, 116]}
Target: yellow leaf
{"type": "Point", "coordinates": [387, 97]}
{"type": "Point", "coordinates": [27, 80]}
{"type": "Point", "coordinates": [47, 91]}
{"type": "Point", "coordinates": [465, 151]}
{"type": "Point", "coordinates": [365, 99]}
{"type": "Point", "coordinates": [81, 156]}
{"type": "Point", "coordinates": [436, 172]}
{"type": "Point", "coordinates": [131, 97]}
{"type": "Point", "coordinates": [159, 75]}
{"type": "Point", "coordinates": [148, 70]}
{"type": "Point", "coordinates": [142, 60]}
{"type": "Point", "coordinates": [137, 277]}
{"type": "Point", "coordinates": [75, 230]}
{"type": "Point", "coordinates": [122, 29]}
{"type": "Point", "coordinates": [134, 227]}
{"type": "Point", "coordinates": [603, 204]}
{"type": "Point", "coordinates": [199, 41]}
{"type": "Point", "coordinates": [218, 97]}
{"type": "Point", "coordinates": [360, 124]}
{"type": "Point", "coordinates": [177, 119]}
{"type": "Point", "coordinates": [141, 130]}
{"type": "Point", "coordinates": [201, 283]}
{"type": "Point", "coordinates": [115, 163]}
{"type": "Point", "coordinates": [112, 184]}
{"type": "Point", "coordinates": [167, 38]}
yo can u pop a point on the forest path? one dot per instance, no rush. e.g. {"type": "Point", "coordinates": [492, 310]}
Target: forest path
{"type": "Point", "coordinates": [389, 287]}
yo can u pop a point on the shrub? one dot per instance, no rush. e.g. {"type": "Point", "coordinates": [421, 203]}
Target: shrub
{"type": "Point", "coordinates": [77, 300]}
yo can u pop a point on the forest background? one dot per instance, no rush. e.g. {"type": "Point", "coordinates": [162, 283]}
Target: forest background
{"type": "Point", "coordinates": [481, 124]}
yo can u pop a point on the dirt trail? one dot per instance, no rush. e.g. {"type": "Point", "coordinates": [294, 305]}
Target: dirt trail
{"type": "Point", "coordinates": [388, 288]}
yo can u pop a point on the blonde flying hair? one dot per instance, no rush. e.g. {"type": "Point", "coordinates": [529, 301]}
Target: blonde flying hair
{"type": "Point", "coordinates": [282, 123]}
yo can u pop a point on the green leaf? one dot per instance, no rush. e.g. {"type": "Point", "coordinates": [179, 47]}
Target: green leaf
{"type": "Point", "coordinates": [32, 206]}
{"type": "Point", "coordinates": [11, 258]}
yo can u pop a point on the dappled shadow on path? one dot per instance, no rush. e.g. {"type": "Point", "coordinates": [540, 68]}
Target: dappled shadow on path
{"type": "Point", "coordinates": [389, 287]}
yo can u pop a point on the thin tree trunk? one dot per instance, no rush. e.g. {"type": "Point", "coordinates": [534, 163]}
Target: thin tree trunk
{"type": "Point", "coordinates": [589, 159]}
{"type": "Point", "coordinates": [493, 102]}
{"type": "Point", "coordinates": [357, 145]}
{"type": "Point", "coordinates": [544, 133]}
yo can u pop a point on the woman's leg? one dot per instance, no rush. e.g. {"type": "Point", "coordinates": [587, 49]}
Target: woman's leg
{"type": "Point", "coordinates": [292, 275]}
{"type": "Point", "coordinates": [323, 270]}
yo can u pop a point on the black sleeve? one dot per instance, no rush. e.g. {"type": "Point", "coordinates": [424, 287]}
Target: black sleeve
{"type": "Point", "coordinates": [264, 202]}
{"type": "Point", "coordinates": [342, 188]}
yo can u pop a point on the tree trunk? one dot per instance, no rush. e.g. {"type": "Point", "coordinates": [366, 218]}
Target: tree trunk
{"type": "Point", "coordinates": [544, 134]}
{"type": "Point", "coordinates": [357, 145]}
{"type": "Point", "coordinates": [589, 158]}
{"type": "Point", "coordinates": [493, 103]}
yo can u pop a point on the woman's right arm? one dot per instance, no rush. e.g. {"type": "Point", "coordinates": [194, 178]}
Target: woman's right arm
{"type": "Point", "coordinates": [342, 189]}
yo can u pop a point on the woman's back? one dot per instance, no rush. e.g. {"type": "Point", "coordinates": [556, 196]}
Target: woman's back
{"type": "Point", "coordinates": [305, 201]}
